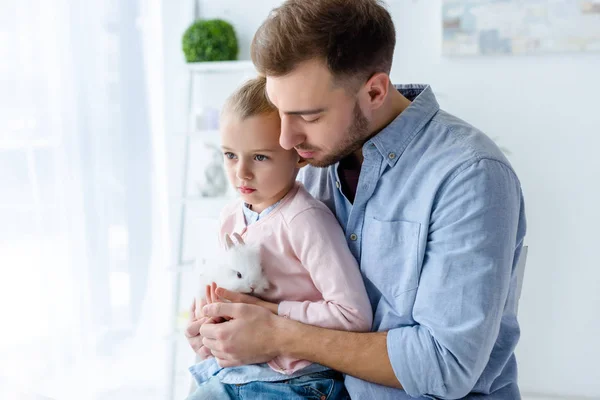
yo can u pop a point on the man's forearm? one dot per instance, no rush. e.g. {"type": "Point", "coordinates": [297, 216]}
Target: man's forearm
{"type": "Point", "coordinates": [362, 355]}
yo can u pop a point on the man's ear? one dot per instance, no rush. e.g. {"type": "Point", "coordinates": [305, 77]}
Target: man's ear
{"type": "Point", "coordinates": [377, 88]}
{"type": "Point", "coordinates": [301, 163]}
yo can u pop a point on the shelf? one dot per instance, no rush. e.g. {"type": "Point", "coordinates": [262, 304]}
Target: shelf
{"type": "Point", "coordinates": [221, 67]}
{"type": "Point", "coordinates": [206, 201]}
{"type": "Point", "coordinates": [28, 144]}
{"type": "Point", "coordinates": [203, 208]}
{"type": "Point", "coordinates": [25, 207]}
{"type": "Point", "coordinates": [200, 133]}
{"type": "Point", "coordinates": [185, 265]}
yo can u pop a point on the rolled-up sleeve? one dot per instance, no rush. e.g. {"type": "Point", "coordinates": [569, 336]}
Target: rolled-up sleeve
{"type": "Point", "coordinates": [464, 283]}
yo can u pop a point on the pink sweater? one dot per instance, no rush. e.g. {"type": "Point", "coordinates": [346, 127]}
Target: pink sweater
{"type": "Point", "coordinates": [312, 273]}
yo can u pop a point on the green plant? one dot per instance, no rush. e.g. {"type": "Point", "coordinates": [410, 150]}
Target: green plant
{"type": "Point", "coordinates": [210, 40]}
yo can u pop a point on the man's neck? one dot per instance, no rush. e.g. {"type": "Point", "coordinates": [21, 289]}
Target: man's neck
{"type": "Point", "coordinates": [394, 104]}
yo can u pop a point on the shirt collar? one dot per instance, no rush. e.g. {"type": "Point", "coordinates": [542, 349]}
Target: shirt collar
{"type": "Point", "coordinates": [252, 216]}
{"type": "Point", "coordinates": [249, 215]}
{"type": "Point", "coordinates": [392, 140]}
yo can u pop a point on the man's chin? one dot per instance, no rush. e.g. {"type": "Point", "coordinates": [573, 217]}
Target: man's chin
{"type": "Point", "coordinates": [314, 162]}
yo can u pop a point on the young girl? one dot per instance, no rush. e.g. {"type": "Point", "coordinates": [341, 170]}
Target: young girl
{"type": "Point", "coordinates": [313, 277]}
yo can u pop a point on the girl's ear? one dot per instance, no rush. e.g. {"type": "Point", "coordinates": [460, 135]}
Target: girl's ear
{"type": "Point", "coordinates": [301, 162]}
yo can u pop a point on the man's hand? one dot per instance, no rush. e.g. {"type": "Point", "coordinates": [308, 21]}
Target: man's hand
{"type": "Point", "coordinates": [255, 335]}
{"type": "Point", "coordinates": [249, 337]}
{"type": "Point", "coordinates": [234, 297]}
{"type": "Point", "coordinates": [192, 332]}
{"type": "Point", "coordinates": [197, 319]}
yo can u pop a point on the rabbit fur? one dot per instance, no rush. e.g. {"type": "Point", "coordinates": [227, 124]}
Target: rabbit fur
{"type": "Point", "coordinates": [237, 269]}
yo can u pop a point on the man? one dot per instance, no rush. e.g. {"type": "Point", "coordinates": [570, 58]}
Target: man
{"type": "Point", "coordinates": [431, 209]}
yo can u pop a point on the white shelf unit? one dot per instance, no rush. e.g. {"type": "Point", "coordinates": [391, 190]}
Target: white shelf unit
{"type": "Point", "coordinates": [221, 67]}
{"type": "Point", "coordinates": [209, 84]}
{"type": "Point", "coordinates": [199, 133]}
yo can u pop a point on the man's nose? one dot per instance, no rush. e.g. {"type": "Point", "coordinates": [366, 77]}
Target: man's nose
{"type": "Point", "coordinates": [290, 137]}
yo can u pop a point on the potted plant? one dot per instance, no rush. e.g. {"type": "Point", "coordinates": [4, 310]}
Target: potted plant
{"type": "Point", "coordinates": [210, 40]}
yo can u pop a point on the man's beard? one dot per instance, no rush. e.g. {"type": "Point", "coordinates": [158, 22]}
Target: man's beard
{"type": "Point", "coordinates": [353, 140]}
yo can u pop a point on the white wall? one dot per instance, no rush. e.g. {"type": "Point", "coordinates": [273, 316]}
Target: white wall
{"type": "Point", "coordinates": [544, 109]}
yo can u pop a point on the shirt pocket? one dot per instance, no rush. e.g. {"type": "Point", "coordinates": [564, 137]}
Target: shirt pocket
{"type": "Point", "coordinates": [390, 256]}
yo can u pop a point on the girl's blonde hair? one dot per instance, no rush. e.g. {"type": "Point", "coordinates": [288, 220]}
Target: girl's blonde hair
{"type": "Point", "coordinates": [249, 100]}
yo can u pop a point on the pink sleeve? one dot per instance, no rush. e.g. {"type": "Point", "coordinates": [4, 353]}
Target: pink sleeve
{"type": "Point", "coordinates": [320, 245]}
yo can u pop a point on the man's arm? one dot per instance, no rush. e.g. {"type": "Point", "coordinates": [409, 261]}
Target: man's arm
{"type": "Point", "coordinates": [475, 230]}
{"type": "Point", "coordinates": [362, 355]}
{"type": "Point", "coordinates": [255, 335]}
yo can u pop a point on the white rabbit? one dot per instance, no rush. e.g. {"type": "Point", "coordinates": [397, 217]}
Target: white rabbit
{"type": "Point", "coordinates": [238, 269]}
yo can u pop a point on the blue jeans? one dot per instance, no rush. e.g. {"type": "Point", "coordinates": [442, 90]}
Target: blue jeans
{"type": "Point", "coordinates": [326, 385]}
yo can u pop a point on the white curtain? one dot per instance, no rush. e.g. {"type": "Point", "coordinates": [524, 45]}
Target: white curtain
{"type": "Point", "coordinates": [84, 286]}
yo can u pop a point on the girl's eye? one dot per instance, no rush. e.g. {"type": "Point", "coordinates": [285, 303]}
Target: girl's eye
{"type": "Point", "coordinates": [312, 121]}
{"type": "Point", "coordinates": [260, 157]}
{"type": "Point", "coordinates": [229, 155]}
{"type": "Point", "coordinates": [239, 275]}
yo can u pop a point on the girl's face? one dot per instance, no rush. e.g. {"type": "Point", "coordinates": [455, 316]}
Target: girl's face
{"type": "Point", "coordinates": [257, 166]}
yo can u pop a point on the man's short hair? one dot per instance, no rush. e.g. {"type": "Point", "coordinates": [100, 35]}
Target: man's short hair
{"type": "Point", "coordinates": [355, 38]}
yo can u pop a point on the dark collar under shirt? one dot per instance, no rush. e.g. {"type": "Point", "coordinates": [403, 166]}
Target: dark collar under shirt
{"type": "Point", "coordinates": [349, 171]}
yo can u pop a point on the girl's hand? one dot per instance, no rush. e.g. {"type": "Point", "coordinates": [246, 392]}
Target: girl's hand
{"type": "Point", "coordinates": [235, 297]}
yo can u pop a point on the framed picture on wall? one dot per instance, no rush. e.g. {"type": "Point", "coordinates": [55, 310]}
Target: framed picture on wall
{"type": "Point", "coordinates": [512, 27]}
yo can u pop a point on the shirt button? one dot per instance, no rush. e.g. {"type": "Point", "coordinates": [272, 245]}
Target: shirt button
{"type": "Point", "coordinates": [353, 237]}
{"type": "Point", "coordinates": [337, 184]}
{"type": "Point", "coordinates": [392, 156]}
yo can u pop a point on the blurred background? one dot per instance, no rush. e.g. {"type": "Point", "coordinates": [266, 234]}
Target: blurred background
{"type": "Point", "coordinates": [109, 185]}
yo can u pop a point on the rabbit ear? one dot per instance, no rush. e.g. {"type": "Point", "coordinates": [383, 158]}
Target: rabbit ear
{"type": "Point", "coordinates": [228, 242]}
{"type": "Point", "coordinates": [238, 238]}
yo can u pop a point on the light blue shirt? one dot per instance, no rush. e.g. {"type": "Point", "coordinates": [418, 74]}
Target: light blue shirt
{"type": "Point", "coordinates": [252, 216]}
{"type": "Point", "coordinates": [437, 226]}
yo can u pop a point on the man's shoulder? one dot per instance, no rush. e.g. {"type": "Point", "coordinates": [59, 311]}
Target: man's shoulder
{"type": "Point", "coordinates": [318, 182]}
{"type": "Point", "coordinates": [461, 141]}
{"type": "Point", "coordinates": [313, 179]}
{"type": "Point", "coordinates": [449, 144]}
